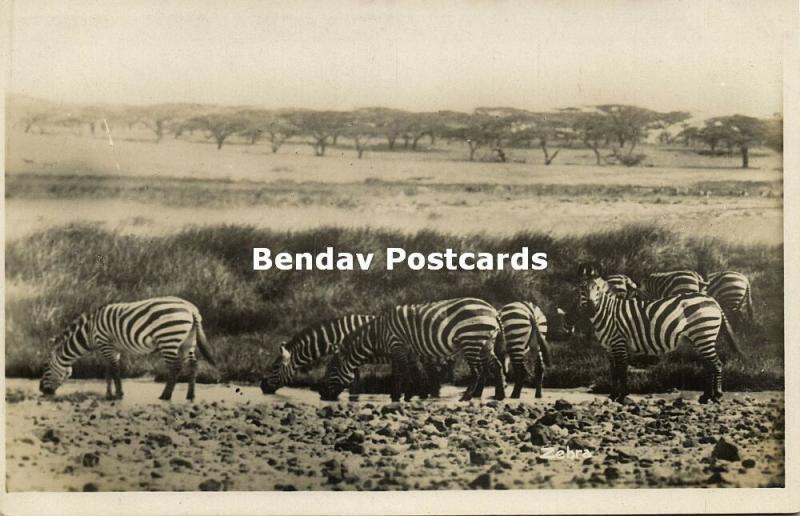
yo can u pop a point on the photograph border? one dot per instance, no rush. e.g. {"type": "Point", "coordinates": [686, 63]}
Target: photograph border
{"type": "Point", "coordinates": [553, 501]}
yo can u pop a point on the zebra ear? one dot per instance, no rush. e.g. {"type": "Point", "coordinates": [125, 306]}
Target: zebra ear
{"type": "Point", "coordinates": [285, 354]}
{"type": "Point", "coordinates": [560, 311]}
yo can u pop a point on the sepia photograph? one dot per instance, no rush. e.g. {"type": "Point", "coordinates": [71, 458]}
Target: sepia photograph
{"type": "Point", "coordinates": [382, 246]}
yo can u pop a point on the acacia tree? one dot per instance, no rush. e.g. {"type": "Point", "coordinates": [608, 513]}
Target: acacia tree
{"type": "Point", "coordinates": [628, 124]}
{"type": "Point", "coordinates": [774, 129]}
{"type": "Point", "coordinates": [319, 126]}
{"type": "Point", "coordinates": [482, 128]}
{"type": "Point", "coordinates": [279, 128]}
{"type": "Point", "coordinates": [362, 127]}
{"type": "Point", "coordinates": [592, 129]}
{"type": "Point", "coordinates": [161, 118]}
{"type": "Point", "coordinates": [218, 125]}
{"type": "Point", "coordinates": [740, 131]}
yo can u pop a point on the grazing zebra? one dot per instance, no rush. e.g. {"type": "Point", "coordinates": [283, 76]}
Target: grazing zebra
{"type": "Point", "coordinates": [430, 331]}
{"type": "Point", "coordinates": [733, 293]}
{"type": "Point", "coordinates": [307, 347]}
{"type": "Point", "coordinates": [523, 323]}
{"type": "Point", "coordinates": [320, 340]}
{"type": "Point", "coordinates": [665, 284]}
{"type": "Point", "coordinates": [169, 325]}
{"type": "Point", "coordinates": [635, 326]}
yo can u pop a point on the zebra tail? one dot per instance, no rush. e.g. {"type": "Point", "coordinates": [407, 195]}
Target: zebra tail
{"type": "Point", "coordinates": [731, 336]}
{"type": "Point", "coordinates": [202, 342]}
{"type": "Point", "coordinates": [749, 300]}
{"type": "Point", "coordinates": [503, 348]}
{"type": "Point", "coordinates": [541, 341]}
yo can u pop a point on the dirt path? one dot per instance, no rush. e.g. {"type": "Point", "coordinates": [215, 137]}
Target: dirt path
{"type": "Point", "coordinates": [235, 438]}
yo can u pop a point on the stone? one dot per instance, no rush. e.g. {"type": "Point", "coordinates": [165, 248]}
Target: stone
{"type": "Point", "coordinates": [482, 481]}
{"type": "Point", "coordinates": [90, 459]}
{"type": "Point", "coordinates": [478, 458]}
{"type": "Point", "coordinates": [211, 484]}
{"type": "Point", "coordinates": [52, 435]}
{"type": "Point", "coordinates": [724, 450]}
{"type": "Point", "coordinates": [90, 487]}
{"type": "Point", "coordinates": [562, 405]}
{"type": "Point", "coordinates": [748, 463]}
{"type": "Point", "coordinates": [159, 440]}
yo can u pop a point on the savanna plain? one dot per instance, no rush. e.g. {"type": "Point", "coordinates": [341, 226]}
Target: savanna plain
{"type": "Point", "coordinates": [90, 222]}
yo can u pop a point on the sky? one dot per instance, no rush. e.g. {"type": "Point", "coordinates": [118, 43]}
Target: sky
{"type": "Point", "coordinates": [709, 57]}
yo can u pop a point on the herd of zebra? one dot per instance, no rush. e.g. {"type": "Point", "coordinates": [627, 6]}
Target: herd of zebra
{"type": "Point", "coordinates": [650, 318]}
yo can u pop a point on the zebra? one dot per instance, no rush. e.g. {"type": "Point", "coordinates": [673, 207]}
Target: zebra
{"type": "Point", "coordinates": [307, 347]}
{"type": "Point", "coordinates": [169, 325]}
{"type": "Point", "coordinates": [523, 323]}
{"type": "Point", "coordinates": [733, 293]}
{"type": "Point", "coordinates": [620, 285]}
{"type": "Point", "coordinates": [321, 340]}
{"type": "Point", "coordinates": [431, 331]}
{"type": "Point", "coordinates": [654, 327]}
{"type": "Point", "coordinates": [665, 284]}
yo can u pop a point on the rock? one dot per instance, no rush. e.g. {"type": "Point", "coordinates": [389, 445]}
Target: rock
{"type": "Point", "coordinates": [724, 450]}
{"type": "Point", "coordinates": [211, 484]}
{"type": "Point", "coordinates": [505, 417]}
{"type": "Point", "coordinates": [325, 412]}
{"type": "Point", "coordinates": [717, 478]}
{"type": "Point", "coordinates": [579, 443]}
{"type": "Point", "coordinates": [160, 440]}
{"type": "Point", "coordinates": [482, 481]}
{"type": "Point", "coordinates": [285, 487]}
{"type": "Point", "coordinates": [689, 443]}
{"type": "Point", "coordinates": [540, 435]}
{"type": "Point", "coordinates": [289, 419]}
{"type": "Point", "coordinates": [156, 474]}
{"type": "Point", "coordinates": [392, 408]}
{"type": "Point", "coordinates": [349, 446]}
{"type": "Point", "coordinates": [90, 487]}
{"type": "Point", "coordinates": [90, 459]}
{"type": "Point", "coordinates": [550, 418]}
{"type": "Point", "coordinates": [478, 458]}
{"type": "Point", "coordinates": [562, 405]}
{"type": "Point", "coordinates": [180, 463]}
{"type": "Point", "coordinates": [437, 422]}
{"type": "Point", "coordinates": [365, 415]}
{"type": "Point", "coordinates": [51, 435]}
{"type": "Point", "coordinates": [611, 473]}
{"type": "Point", "coordinates": [748, 463]}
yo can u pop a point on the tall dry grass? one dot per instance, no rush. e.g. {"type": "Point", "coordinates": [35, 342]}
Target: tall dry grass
{"type": "Point", "coordinates": [54, 275]}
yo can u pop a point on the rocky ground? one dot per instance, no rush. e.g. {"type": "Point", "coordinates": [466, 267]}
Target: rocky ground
{"type": "Point", "coordinates": [234, 438]}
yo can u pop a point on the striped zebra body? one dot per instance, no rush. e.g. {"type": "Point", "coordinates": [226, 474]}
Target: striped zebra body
{"type": "Point", "coordinates": [654, 327]}
{"type": "Point", "coordinates": [665, 284]}
{"type": "Point", "coordinates": [308, 347]}
{"type": "Point", "coordinates": [733, 293]}
{"type": "Point", "coordinates": [430, 331]}
{"type": "Point", "coordinates": [524, 323]}
{"type": "Point", "coordinates": [168, 325]}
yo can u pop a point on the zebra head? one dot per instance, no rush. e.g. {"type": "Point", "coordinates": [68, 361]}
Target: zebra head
{"type": "Point", "coordinates": [589, 293]}
{"type": "Point", "coordinates": [55, 373]}
{"type": "Point", "coordinates": [63, 352]}
{"type": "Point", "coordinates": [279, 372]}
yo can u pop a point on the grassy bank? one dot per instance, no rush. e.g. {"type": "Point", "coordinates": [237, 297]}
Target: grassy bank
{"type": "Point", "coordinates": [54, 275]}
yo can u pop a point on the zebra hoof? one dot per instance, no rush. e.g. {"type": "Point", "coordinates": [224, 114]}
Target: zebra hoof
{"type": "Point", "coordinates": [165, 398]}
{"type": "Point", "coordinates": [538, 395]}
{"type": "Point", "coordinates": [704, 399]}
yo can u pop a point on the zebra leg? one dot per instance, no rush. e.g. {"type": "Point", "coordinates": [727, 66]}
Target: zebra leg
{"type": "Point", "coordinates": [355, 387]}
{"type": "Point", "coordinates": [538, 374]}
{"type": "Point", "coordinates": [399, 374]}
{"type": "Point", "coordinates": [112, 371]}
{"type": "Point", "coordinates": [494, 366]}
{"type": "Point", "coordinates": [621, 366]}
{"type": "Point", "coordinates": [109, 394]}
{"type": "Point", "coordinates": [614, 392]}
{"type": "Point", "coordinates": [714, 390]}
{"type": "Point", "coordinates": [519, 373]}
{"type": "Point", "coordinates": [174, 366]}
{"type": "Point", "coordinates": [192, 359]}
